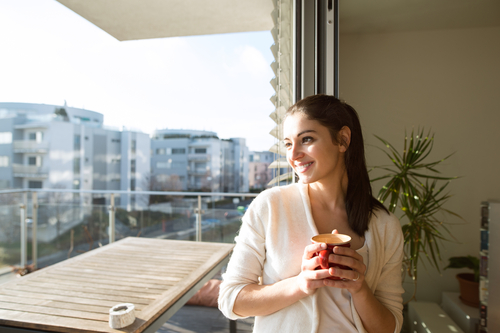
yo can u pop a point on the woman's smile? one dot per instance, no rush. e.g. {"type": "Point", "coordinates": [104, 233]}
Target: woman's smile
{"type": "Point", "coordinates": [303, 167]}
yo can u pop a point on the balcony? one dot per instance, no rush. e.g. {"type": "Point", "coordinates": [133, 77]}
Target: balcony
{"type": "Point", "coordinates": [43, 227]}
{"type": "Point", "coordinates": [198, 157]}
{"type": "Point", "coordinates": [29, 171]}
{"type": "Point", "coordinates": [28, 146]}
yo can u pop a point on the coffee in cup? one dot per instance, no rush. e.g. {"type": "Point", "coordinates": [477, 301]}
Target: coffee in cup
{"type": "Point", "coordinates": [331, 240]}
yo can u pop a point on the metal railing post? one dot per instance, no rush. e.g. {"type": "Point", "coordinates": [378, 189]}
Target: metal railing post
{"type": "Point", "coordinates": [112, 210]}
{"type": "Point", "coordinates": [198, 220]}
{"type": "Point", "coordinates": [24, 238]}
{"type": "Point", "coordinates": [34, 225]}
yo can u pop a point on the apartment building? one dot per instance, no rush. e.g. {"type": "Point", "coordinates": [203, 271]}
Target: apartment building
{"type": "Point", "coordinates": [50, 146]}
{"type": "Point", "coordinates": [259, 173]}
{"type": "Point", "coordinates": [191, 160]}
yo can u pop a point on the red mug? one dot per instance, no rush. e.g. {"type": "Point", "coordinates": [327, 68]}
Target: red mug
{"type": "Point", "coordinates": [331, 240]}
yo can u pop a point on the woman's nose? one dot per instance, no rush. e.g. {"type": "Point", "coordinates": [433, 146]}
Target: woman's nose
{"type": "Point", "coordinates": [295, 152]}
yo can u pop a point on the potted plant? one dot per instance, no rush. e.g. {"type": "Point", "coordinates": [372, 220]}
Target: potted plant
{"type": "Point", "coordinates": [416, 190]}
{"type": "Point", "coordinates": [468, 282]}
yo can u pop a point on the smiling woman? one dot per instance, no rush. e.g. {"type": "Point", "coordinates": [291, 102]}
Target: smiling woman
{"type": "Point", "coordinates": [325, 148]}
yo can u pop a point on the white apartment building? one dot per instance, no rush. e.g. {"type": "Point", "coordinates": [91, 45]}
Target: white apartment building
{"type": "Point", "coordinates": [49, 146]}
{"type": "Point", "coordinates": [191, 160]}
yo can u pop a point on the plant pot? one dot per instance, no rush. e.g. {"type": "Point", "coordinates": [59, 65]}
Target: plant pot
{"type": "Point", "coordinates": [469, 290]}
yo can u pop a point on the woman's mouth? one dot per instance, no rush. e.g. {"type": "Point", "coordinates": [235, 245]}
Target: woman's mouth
{"type": "Point", "coordinates": [303, 167]}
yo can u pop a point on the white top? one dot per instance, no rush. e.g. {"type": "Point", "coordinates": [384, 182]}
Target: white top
{"type": "Point", "coordinates": [276, 228]}
{"type": "Point", "coordinates": [340, 319]}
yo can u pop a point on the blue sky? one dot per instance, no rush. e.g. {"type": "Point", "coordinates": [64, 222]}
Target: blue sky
{"type": "Point", "coordinates": [49, 54]}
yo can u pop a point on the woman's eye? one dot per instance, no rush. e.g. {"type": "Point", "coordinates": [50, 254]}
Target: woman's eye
{"type": "Point", "coordinates": [287, 144]}
{"type": "Point", "coordinates": [307, 139]}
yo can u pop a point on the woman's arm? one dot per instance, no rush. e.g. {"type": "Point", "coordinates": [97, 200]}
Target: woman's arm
{"type": "Point", "coordinates": [261, 300]}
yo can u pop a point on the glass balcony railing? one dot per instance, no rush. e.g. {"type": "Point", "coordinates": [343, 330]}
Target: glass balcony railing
{"type": "Point", "coordinates": [29, 146]}
{"type": "Point", "coordinates": [42, 227]}
{"type": "Point", "coordinates": [21, 170]}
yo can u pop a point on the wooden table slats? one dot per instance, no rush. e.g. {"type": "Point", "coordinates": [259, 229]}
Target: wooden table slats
{"type": "Point", "coordinates": [75, 295]}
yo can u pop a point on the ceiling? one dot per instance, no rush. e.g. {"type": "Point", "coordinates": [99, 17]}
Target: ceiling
{"type": "Point", "coordinates": [143, 19]}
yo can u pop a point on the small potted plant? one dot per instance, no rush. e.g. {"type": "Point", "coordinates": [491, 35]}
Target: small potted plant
{"type": "Point", "coordinates": [468, 282]}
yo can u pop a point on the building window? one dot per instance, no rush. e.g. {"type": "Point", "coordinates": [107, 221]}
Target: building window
{"type": "Point", "coordinates": [178, 151]}
{"type": "Point", "coordinates": [132, 166]}
{"type": "Point", "coordinates": [5, 137]}
{"type": "Point", "coordinates": [134, 146]}
{"type": "Point", "coordinates": [160, 151]}
{"type": "Point", "coordinates": [34, 184]}
{"type": "Point", "coordinates": [35, 160]}
{"type": "Point", "coordinates": [132, 184]}
{"type": "Point", "coordinates": [76, 144]}
{"type": "Point", "coordinates": [4, 161]}
{"type": "Point", "coordinates": [115, 140]}
{"type": "Point", "coordinates": [200, 150]}
{"type": "Point", "coordinates": [35, 136]}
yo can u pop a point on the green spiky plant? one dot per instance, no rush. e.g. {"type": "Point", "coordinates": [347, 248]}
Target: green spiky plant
{"type": "Point", "coordinates": [415, 188]}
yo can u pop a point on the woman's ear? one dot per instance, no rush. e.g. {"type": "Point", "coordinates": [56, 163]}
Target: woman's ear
{"type": "Point", "coordinates": [344, 138]}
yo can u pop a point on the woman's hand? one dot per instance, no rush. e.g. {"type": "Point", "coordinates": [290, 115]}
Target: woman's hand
{"type": "Point", "coordinates": [352, 280]}
{"type": "Point", "coordinates": [309, 278]}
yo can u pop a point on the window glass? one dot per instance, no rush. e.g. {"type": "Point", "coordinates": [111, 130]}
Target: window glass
{"type": "Point", "coordinates": [200, 150]}
{"type": "Point", "coordinates": [34, 184]}
{"type": "Point", "coordinates": [178, 150]}
{"type": "Point", "coordinates": [4, 161]}
{"type": "Point", "coordinates": [160, 151]}
{"type": "Point", "coordinates": [32, 160]}
{"type": "Point", "coordinates": [5, 137]}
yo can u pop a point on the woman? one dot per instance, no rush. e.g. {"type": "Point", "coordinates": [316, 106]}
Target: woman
{"type": "Point", "coordinates": [325, 148]}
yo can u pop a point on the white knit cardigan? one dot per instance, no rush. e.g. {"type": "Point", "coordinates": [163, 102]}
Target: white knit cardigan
{"type": "Point", "coordinates": [275, 230]}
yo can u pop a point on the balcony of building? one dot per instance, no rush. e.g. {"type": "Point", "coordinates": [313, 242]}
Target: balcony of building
{"type": "Point", "coordinates": [199, 172]}
{"type": "Point", "coordinates": [29, 171]}
{"type": "Point", "coordinates": [30, 146]}
{"type": "Point", "coordinates": [199, 157]}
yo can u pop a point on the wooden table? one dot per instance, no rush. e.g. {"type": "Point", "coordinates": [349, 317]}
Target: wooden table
{"type": "Point", "coordinates": [158, 276]}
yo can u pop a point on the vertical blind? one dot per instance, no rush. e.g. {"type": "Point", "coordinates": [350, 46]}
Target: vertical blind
{"type": "Point", "coordinates": [282, 84]}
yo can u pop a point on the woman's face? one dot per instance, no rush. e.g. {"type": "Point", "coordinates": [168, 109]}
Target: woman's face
{"type": "Point", "coordinates": [311, 151]}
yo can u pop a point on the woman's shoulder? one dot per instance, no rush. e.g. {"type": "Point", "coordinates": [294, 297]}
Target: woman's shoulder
{"type": "Point", "coordinates": [385, 221]}
{"type": "Point", "coordinates": [283, 191]}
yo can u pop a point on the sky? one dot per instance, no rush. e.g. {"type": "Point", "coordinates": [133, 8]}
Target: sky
{"type": "Point", "coordinates": [220, 83]}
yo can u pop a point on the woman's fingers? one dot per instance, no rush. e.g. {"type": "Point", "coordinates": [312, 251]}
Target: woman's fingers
{"type": "Point", "coordinates": [311, 250]}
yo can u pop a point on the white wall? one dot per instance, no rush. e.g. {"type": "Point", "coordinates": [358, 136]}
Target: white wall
{"type": "Point", "coordinates": [448, 81]}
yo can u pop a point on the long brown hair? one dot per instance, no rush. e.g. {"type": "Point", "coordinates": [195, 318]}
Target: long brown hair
{"type": "Point", "coordinates": [334, 114]}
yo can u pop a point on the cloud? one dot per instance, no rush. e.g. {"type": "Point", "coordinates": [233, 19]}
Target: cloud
{"type": "Point", "coordinates": [247, 60]}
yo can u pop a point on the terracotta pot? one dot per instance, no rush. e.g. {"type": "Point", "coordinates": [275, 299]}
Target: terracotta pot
{"type": "Point", "coordinates": [469, 290]}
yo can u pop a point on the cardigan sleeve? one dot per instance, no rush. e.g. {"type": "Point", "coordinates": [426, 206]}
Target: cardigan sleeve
{"type": "Point", "coordinates": [389, 288]}
{"type": "Point", "coordinates": [247, 260]}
